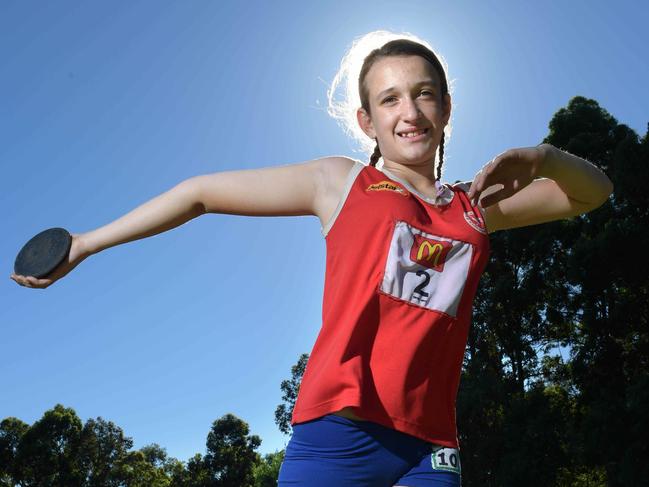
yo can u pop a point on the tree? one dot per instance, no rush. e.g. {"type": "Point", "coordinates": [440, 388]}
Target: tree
{"type": "Point", "coordinates": [11, 433]}
{"type": "Point", "coordinates": [581, 286]}
{"type": "Point", "coordinates": [195, 474]}
{"type": "Point", "coordinates": [102, 450]}
{"type": "Point", "coordinates": [135, 470]}
{"type": "Point", "coordinates": [231, 453]}
{"type": "Point", "coordinates": [608, 267]}
{"type": "Point", "coordinates": [290, 389]}
{"type": "Point", "coordinates": [266, 471]}
{"type": "Point", "coordinates": [58, 451]}
{"type": "Point", "coordinates": [46, 453]}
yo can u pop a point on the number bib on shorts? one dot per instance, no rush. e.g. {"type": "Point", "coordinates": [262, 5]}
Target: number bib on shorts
{"type": "Point", "coordinates": [447, 459]}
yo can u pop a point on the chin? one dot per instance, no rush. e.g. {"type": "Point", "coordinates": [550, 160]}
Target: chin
{"type": "Point", "coordinates": [419, 158]}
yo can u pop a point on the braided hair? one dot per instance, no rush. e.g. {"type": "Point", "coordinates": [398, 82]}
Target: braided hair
{"type": "Point", "coordinates": [401, 47]}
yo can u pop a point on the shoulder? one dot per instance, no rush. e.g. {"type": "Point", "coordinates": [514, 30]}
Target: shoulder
{"type": "Point", "coordinates": [465, 186]}
{"type": "Point", "coordinates": [337, 166]}
{"type": "Point", "coordinates": [334, 171]}
{"type": "Point", "coordinates": [461, 185]}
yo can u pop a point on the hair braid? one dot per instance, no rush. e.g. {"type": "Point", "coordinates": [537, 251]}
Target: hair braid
{"type": "Point", "coordinates": [441, 158]}
{"type": "Point", "coordinates": [375, 155]}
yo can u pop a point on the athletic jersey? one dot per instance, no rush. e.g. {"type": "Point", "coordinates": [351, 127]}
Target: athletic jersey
{"type": "Point", "coordinates": [401, 273]}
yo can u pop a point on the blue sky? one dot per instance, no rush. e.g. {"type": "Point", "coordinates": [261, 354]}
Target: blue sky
{"type": "Point", "coordinates": [104, 105]}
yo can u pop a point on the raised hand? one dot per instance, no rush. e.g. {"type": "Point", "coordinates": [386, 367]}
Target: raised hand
{"type": "Point", "coordinates": [514, 169]}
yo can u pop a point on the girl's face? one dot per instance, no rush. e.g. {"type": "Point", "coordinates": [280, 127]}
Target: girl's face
{"type": "Point", "coordinates": [404, 95]}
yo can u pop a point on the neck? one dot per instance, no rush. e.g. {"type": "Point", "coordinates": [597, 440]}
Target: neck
{"type": "Point", "coordinates": [420, 174]}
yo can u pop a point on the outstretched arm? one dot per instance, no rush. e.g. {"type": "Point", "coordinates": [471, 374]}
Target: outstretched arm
{"type": "Point", "coordinates": [270, 191]}
{"type": "Point", "coordinates": [294, 189]}
{"type": "Point", "coordinates": [273, 191]}
{"type": "Point", "coordinates": [164, 212]}
{"type": "Point", "coordinates": [161, 213]}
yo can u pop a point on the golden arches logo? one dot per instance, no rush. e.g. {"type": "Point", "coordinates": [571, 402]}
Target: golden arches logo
{"type": "Point", "coordinates": [434, 251]}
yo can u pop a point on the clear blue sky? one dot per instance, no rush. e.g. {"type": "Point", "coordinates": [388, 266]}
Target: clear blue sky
{"type": "Point", "coordinates": [104, 105]}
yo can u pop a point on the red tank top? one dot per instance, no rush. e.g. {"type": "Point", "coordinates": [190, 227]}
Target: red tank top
{"type": "Point", "coordinates": [401, 274]}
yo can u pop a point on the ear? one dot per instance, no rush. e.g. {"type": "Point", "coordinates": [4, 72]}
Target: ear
{"type": "Point", "coordinates": [365, 122]}
{"type": "Point", "coordinates": [447, 108]}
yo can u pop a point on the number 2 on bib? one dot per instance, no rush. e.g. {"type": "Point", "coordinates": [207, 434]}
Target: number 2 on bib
{"type": "Point", "coordinates": [427, 270]}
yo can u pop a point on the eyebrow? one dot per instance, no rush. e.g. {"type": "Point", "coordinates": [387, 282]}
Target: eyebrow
{"type": "Point", "coordinates": [421, 83]}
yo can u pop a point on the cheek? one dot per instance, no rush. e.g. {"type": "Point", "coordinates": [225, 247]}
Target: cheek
{"type": "Point", "coordinates": [385, 124]}
{"type": "Point", "coordinates": [440, 112]}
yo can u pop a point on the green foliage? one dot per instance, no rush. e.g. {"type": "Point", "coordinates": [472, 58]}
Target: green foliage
{"type": "Point", "coordinates": [196, 474]}
{"type": "Point", "coordinates": [231, 452]}
{"type": "Point", "coordinates": [290, 389]}
{"type": "Point", "coordinates": [136, 471]}
{"type": "Point", "coordinates": [102, 451]}
{"type": "Point", "coordinates": [59, 451]}
{"type": "Point", "coordinates": [47, 451]}
{"type": "Point", "coordinates": [556, 374]}
{"type": "Point", "coordinates": [582, 477]}
{"type": "Point", "coordinates": [11, 432]}
{"type": "Point", "coordinates": [266, 470]}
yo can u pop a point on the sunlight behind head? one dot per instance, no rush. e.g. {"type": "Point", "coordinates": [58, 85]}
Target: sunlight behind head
{"type": "Point", "coordinates": [343, 97]}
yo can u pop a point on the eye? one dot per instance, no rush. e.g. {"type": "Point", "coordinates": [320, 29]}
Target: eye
{"type": "Point", "coordinates": [385, 100]}
{"type": "Point", "coordinates": [427, 91]}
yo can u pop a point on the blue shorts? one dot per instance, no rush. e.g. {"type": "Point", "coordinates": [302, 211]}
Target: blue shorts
{"type": "Point", "coordinates": [336, 451]}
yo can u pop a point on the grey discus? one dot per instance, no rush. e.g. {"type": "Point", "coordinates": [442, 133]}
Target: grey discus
{"type": "Point", "coordinates": [43, 253]}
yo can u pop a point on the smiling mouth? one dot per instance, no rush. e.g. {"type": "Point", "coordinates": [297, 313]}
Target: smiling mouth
{"type": "Point", "coordinates": [412, 135]}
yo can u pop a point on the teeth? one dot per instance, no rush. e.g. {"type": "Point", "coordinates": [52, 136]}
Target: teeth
{"type": "Point", "coordinates": [412, 134]}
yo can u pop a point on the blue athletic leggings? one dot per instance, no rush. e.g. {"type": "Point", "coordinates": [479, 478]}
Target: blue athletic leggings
{"type": "Point", "coordinates": [336, 451]}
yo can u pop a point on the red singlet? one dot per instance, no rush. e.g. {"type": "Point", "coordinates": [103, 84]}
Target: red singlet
{"type": "Point", "coordinates": [402, 271]}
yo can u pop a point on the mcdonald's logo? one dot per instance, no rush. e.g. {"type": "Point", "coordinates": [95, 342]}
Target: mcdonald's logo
{"type": "Point", "coordinates": [429, 252]}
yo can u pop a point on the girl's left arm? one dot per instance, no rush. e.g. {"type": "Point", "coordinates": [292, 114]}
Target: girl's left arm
{"type": "Point", "coordinates": [579, 179]}
{"type": "Point", "coordinates": [511, 196]}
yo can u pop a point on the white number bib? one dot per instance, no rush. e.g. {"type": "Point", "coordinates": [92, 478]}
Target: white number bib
{"type": "Point", "coordinates": [447, 459]}
{"type": "Point", "coordinates": [426, 270]}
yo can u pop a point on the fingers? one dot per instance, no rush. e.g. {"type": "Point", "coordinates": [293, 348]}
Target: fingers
{"type": "Point", "coordinates": [474, 194]}
{"type": "Point", "coordinates": [481, 181]}
{"type": "Point", "coordinates": [31, 281]}
{"type": "Point", "coordinates": [511, 168]}
{"type": "Point", "coordinates": [21, 280]}
{"type": "Point", "coordinates": [473, 189]}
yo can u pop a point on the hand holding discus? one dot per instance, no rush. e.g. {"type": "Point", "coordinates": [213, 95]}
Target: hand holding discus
{"type": "Point", "coordinates": [47, 257]}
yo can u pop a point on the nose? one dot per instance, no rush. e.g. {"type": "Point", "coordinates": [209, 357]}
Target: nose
{"type": "Point", "coordinates": [410, 109]}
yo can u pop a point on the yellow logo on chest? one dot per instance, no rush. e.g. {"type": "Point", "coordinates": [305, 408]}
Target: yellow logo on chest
{"type": "Point", "coordinates": [387, 186]}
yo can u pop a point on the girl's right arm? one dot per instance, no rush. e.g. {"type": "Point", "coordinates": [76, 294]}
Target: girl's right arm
{"type": "Point", "coordinates": [293, 189]}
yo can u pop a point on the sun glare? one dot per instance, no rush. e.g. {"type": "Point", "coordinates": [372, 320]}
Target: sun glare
{"type": "Point", "coordinates": [342, 95]}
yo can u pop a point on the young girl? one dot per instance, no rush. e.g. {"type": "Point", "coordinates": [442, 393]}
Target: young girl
{"type": "Point", "coordinates": [404, 256]}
